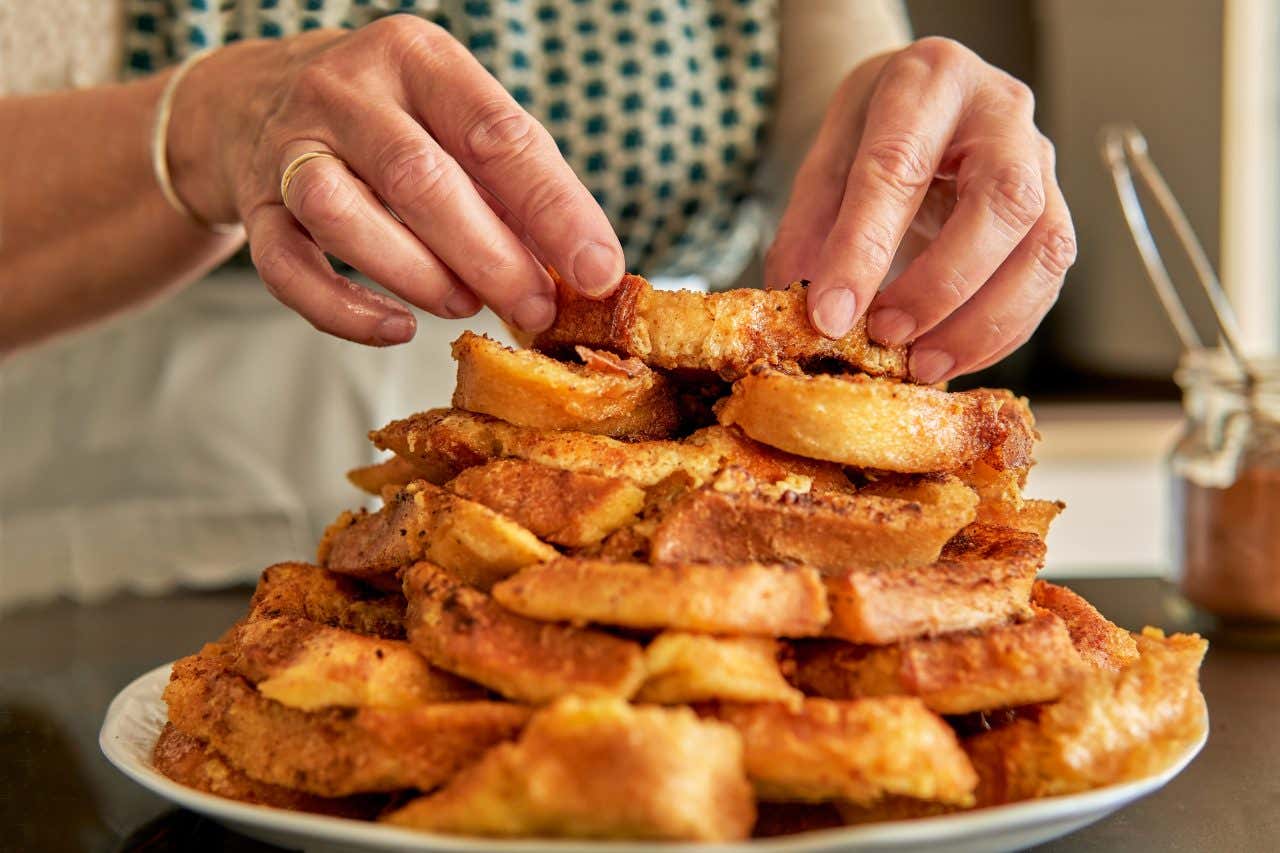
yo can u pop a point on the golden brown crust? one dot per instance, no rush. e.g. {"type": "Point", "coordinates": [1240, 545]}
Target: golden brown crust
{"type": "Point", "coordinates": [880, 424]}
{"type": "Point", "coordinates": [1004, 666]}
{"type": "Point", "coordinates": [328, 598]}
{"type": "Point", "coordinates": [454, 440]}
{"type": "Point", "coordinates": [600, 769]}
{"type": "Point", "coordinates": [336, 752]}
{"type": "Point", "coordinates": [830, 531]}
{"type": "Point", "coordinates": [464, 631]}
{"type": "Point", "coordinates": [1100, 642]}
{"type": "Point", "coordinates": [309, 666]}
{"type": "Point", "coordinates": [724, 333]}
{"type": "Point", "coordinates": [1111, 727]}
{"type": "Point", "coordinates": [604, 396]}
{"type": "Point", "coordinates": [192, 762]}
{"type": "Point", "coordinates": [983, 578]}
{"type": "Point", "coordinates": [422, 521]}
{"type": "Point", "coordinates": [686, 668]}
{"type": "Point", "coordinates": [396, 471]}
{"type": "Point", "coordinates": [747, 599]}
{"type": "Point", "coordinates": [859, 751]}
{"type": "Point", "coordinates": [564, 507]}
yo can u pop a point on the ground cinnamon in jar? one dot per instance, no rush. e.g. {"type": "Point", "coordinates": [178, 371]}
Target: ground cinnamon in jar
{"type": "Point", "coordinates": [1231, 545]}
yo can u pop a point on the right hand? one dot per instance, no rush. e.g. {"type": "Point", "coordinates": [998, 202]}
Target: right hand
{"type": "Point", "coordinates": [483, 195]}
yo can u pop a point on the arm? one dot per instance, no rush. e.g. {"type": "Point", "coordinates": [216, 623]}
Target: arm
{"type": "Point", "coordinates": [84, 230]}
{"type": "Point", "coordinates": [481, 195]}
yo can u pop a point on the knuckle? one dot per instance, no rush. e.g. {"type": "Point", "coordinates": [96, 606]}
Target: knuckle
{"type": "Point", "coordinates": [940, 52]}
{"type": "Point", "coordinates": [873, 245]}
{"type": "Point", "coordinates": [1021, 94]}
{"type": "Point", "coordinates": [276, 267]}
{"type": "Point", "coordinates": [498, 131]}
{"type": "Point", "coordinates": [953, 287]}
{"type": "Point", "coordinates": [900, 163]}
{"type": "Point", "coordinates": [548, 199]}
{"type": "Point", "coordinates": [410, 172]}
{"type": "Point", "coordinates": [1056, 252]}
{"type": "Point", "coordinates": [1016, 197]}
{"type": "Point", "coordinates": [324, 200]}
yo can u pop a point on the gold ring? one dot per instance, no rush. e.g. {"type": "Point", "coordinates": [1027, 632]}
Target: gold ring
{"type": "Point", "coordinates": [291, 171]}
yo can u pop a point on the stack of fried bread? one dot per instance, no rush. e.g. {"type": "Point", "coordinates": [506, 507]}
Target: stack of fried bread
{"type": "Point", "coordinates": [682, 569]}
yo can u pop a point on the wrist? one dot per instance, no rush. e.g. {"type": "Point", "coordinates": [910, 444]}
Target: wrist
{"type": "Point", "coordinates": [213, 115]}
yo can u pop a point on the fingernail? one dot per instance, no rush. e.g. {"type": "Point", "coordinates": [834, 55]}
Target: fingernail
{"type": "Point", "coordinates": [461, 303]}
{"type": "Point", "coordinates": [597, 269]}
{"type": "Point", "coordinates": [833, 312]}
{"type": "Point", "coordinates": [930, 365]}
{"type": "Point", "coordinates": [890, 326]}
{"type": "Point", "coordinates": [396, 329]}
{"type": "Point", "coordinates": [534, 313]}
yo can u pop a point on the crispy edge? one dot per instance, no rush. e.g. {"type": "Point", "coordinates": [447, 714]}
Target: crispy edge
{"type": "Point", "coordinates": [723, 333]}
{"type": "Point", "coordinates": [1112, 727]}
{"type": "Point", "coordinates": [328, 598]}
{"type": "Point", "coordinates": [464, 631]}
{"type": "Point", "coordinates": [984, 577]}
{"type": "Point", "coordinates": [604, 396]}
{"type": "Point", "coordinates": [746, 599]}
{"type": "Point", "coordinates": [395, 471]}
{"type": "Point", "coordinates": [567, 508]}
{"type": "Point", "coordinates": [1099, 641]}
{"type": "Point", "coordinates": [423, 521]}
{"type": "Point", "coordinates": [876, 424]}
{"type": "Point", "coordinates": [686, 668]}
{"type": "Point", "coordinates": [336, 752]}
{"type": "Point", "coordinates": [308, 666]}
{"type": "Point", "coordinates": [600, 769]}
{"type": "Point", "coordinates": [859, 751]}
{"type": "Point", "coordinates": [1002, 667]}
{"type": "Point", "coordinates": [830, 531]}
{"type": "Point", "coordinates": [192, 762]}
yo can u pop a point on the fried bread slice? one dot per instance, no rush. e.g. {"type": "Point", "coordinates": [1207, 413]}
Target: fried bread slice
{"type": "Point", "coordinates": [747, 599]}
{"type": "Point", "coordinates": [453, 440]}
{"type": "Point", "coordinates": [880, 424]}
{"type": "Point", "coordinates": [1111, 727]}
{"type": "Point", "coordinates": [604, 395]}
{"type": "Point", "coordinates": [1100, 642]}
{"type": "Point", "coordinates": [422, 521]}
{"type": "Point", "coordinates": [724, 333]}
{"type": "Point", "coordinates": [859, 751]}
{"type": "Point", "coordinates": [567, 508]}
{"type": "Point", "coordinates": [308, 666]}
{"type": "Point", "coordinates": [396, 471]}
{"type": "Point", "coordinates": [336, 752]}
{"type": "Point", "coordinates": [328, 598]}
{"type": "Point", "coordinates": [1001, 667]}
{"type": "Point", "coordinates": [464, 631]}
{"type": "Point", "coordinates": [831, 531]}
{"type": "Point", "coordinates": [983, 577]}
{"type": "Point", "coordinates": [192, 762]}
{"type": "Point", "coordinates": [684, 668]}
{"type": "Point", "coordinates": [600, 768]}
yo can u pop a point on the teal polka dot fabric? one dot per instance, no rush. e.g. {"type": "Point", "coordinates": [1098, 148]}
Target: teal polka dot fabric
{"type": "Point", "coordinates": [661, 108]}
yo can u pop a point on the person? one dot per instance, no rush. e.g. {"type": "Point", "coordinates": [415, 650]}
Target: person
{"type": "Point", "coordinates": [448, 155]}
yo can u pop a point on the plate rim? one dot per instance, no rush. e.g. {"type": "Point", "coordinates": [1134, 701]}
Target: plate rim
{"type": "Point", "coordinates": [955, 827]}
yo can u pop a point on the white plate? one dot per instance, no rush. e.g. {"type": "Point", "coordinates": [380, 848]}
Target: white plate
{"type": "Point", "coordinates": [137, 714]}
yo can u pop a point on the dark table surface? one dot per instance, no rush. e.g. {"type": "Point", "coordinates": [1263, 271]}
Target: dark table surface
{"type": "Point", "coordinates": [61, 664]}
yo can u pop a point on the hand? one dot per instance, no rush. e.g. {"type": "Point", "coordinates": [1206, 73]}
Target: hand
{"type": "Point", "coordinates": [480, 190]}
{"type": "Point", "coordinates": [934, 123]}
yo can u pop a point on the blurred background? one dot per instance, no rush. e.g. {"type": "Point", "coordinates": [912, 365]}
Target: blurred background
{"type": "Point", "coordinates": [1198, 78]}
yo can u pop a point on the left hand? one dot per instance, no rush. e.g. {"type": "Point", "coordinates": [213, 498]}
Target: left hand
{"type": "Point", "coordinates": [930, 127]}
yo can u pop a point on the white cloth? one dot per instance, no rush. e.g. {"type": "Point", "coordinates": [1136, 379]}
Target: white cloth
{"type": "Point", "coordinates": [203, 438]}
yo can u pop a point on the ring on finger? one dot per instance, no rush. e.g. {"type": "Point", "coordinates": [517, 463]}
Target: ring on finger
{"type": "Point", "coordinates": [291, 171]}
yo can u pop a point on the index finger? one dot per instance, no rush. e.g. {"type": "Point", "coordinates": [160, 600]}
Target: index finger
{"type": "Point", "coordinates": [514, 157]}
{"type": "Point", "coordinates": [910, 120]}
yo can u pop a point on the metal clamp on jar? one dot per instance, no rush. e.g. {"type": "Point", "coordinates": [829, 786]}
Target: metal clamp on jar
{"type": "Point", "coordinates": [1226, 463]}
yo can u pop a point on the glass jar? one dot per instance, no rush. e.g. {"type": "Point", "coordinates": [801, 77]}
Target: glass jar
{"type": "Point", "coordinates": [1226, 488]}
